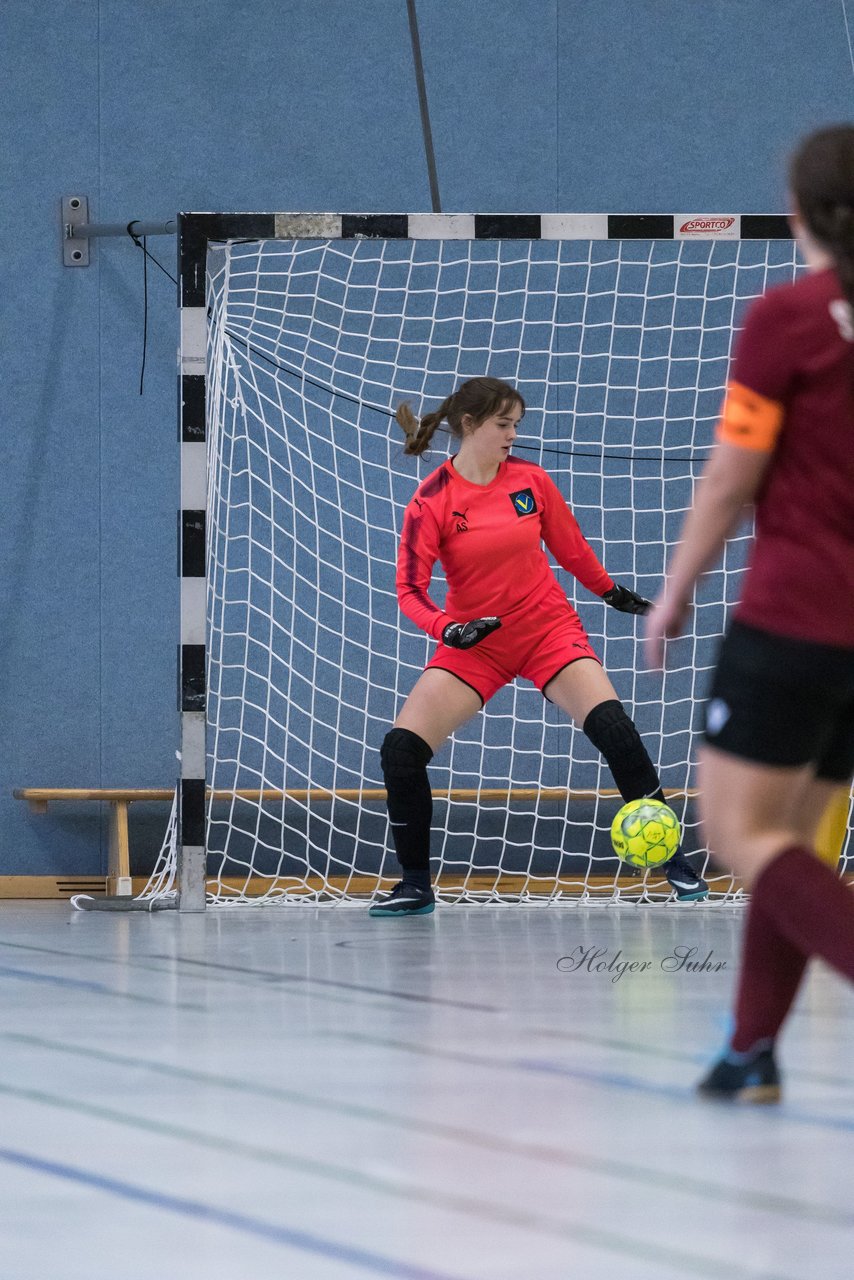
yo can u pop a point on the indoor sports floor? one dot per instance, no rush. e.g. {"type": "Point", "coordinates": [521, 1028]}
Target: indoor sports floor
{"type": "Point", "coordinates": [314, 1095]}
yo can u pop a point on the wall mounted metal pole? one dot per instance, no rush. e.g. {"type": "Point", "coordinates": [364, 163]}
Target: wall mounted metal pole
{"type": "Point", "coordinates": [77, 230]}
{"type": "Point", "coordinates": [88, 230]}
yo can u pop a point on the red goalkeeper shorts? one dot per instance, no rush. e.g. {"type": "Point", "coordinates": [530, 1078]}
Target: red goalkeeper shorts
{"type": "Point", "coordinates": [535, 646]}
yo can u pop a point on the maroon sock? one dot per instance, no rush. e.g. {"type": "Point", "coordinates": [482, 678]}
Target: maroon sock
{"type": "Point", "coordinates": [771, 972]}
{"type": "Point", "coordinates": [810, 906]}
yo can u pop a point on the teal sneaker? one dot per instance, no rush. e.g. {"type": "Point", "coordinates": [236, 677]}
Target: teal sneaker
{"type": "Point", "coordinates": [405, 899]}
{"type": "Point", "coordinates": [743, 1077]}
{"type": "Point", "coordinates": [684, 880]}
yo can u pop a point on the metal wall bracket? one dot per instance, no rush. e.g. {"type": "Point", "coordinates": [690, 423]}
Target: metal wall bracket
{"type": "Point", "coordinates": [75, 212]}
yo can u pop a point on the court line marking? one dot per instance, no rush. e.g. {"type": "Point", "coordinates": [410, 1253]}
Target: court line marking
{"type": "Point", "coordinates": [673, 1055]}
{"type": "Point", "coordinates": [95, 988]}
{"type": "Point", "coordinates": [126, 964]}
{"type": "Point", "coordinates": [547, 1032]}
{"type": "Point", "coordinates": [607, 1079]}
{"type": "Point", "coordinates": [496, 1213]}
{"type": "Point", "coordinates": [277, 976]}
{"type": "Point", "coordinates": [215, 1215]}
{"type": "Point", "coordinates": [565, 1157]}
{"type": "Point", "coordinates": [226, 973]}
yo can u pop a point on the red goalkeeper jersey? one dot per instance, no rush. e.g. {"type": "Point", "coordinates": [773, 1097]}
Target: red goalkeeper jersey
{"type": "Point", "coordinates": [489, 539]}
{"type": "Point", "coordinates": [792, 390]}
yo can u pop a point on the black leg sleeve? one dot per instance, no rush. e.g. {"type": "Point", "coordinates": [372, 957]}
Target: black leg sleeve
{"type": "Point", "coordinates": [405, 757]}
{"type": "Point", "coordinates": [614, 734]}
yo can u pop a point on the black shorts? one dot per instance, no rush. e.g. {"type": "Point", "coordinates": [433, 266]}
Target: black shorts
{"type": "Point", "coordinates": [783, 702]}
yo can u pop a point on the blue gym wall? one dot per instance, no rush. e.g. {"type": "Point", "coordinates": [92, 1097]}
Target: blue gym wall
{"type": "Point", "coordinates": [153, 106]}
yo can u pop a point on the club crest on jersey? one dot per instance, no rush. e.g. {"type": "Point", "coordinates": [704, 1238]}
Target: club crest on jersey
{"type": "Point", "coordinates": [523, 502]}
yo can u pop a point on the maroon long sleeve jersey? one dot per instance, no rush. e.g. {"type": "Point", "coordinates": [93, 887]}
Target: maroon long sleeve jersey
{"type": "Point", "coordinates": [791, 393]}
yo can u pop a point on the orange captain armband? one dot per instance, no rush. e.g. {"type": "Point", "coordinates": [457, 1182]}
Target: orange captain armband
{"type": "Point", "coordinates": [748, 419]}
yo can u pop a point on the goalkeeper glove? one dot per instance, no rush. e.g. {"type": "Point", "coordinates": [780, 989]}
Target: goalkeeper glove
{"type": "Point", "coordinates": [463, 635]}
{"type": "Point", "coordinates": [626, 601]}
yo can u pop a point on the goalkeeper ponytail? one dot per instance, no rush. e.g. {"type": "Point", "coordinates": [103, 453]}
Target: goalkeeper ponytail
{"type": "Point", "coordinates": [419, 434]}
{"type": "Point", "coordinates": [477, 399]}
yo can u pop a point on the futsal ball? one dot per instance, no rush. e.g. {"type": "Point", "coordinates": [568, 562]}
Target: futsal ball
{"type": "Point", "coordinates": [645, 833]}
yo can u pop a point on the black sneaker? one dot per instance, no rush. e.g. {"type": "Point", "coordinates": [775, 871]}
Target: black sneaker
{"type": "Point", "coordinates": [753, 1079]}
{"type": "Point", "coordinates": [405, 899]}
{"type": "Point", "coordinates": [684, 879]}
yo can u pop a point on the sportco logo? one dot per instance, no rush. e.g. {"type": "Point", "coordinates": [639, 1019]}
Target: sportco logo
{"type": "Point", "coordinates": [706, 226]}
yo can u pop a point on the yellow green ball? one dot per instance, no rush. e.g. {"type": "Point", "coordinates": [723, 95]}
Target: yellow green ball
{"type": "Point", "coordinates": [645, 833]}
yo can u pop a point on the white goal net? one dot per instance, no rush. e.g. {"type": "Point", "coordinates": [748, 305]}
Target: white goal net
{"type": "Point", "coordinates": [620, 349]}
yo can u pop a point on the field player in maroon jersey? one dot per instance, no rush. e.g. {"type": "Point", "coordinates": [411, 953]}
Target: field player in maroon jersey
{"type": "Point", "coordinates": [779, 733]}
{"type": "Point", "coordinates": [485, 516]}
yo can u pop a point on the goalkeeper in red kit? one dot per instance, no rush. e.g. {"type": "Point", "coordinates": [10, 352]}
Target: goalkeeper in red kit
{"type": "Point", "coordinates": [485, 515]}
{"type": "Point", "coordinates": [779, 733]}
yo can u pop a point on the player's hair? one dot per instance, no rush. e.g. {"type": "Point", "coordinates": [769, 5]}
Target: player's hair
{"type": "Point", "coordinates": [821, 178]}
{"type": "Point", "coordinates": [479, 398]}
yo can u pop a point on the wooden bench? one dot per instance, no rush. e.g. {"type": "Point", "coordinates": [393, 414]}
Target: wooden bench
{"type": "Point", "coordinates": [119, 881]}
{"type": "Point", "coordinates": [118, 865]}
{"type": "Point", "coordinates": [830, 840]}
